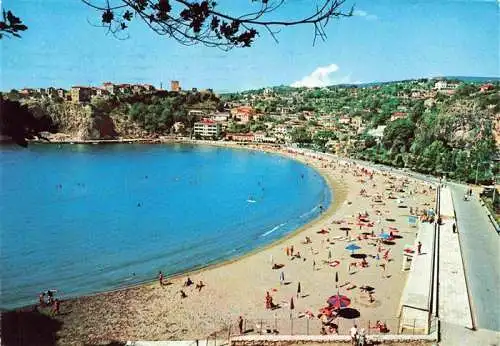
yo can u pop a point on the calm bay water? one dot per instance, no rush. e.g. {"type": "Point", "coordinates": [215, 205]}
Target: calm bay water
{"type": "Point", "coordinates": [89, 218]}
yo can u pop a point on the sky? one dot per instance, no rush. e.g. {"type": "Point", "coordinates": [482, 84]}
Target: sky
{"type": "Point", "coordinates": [385, 40]}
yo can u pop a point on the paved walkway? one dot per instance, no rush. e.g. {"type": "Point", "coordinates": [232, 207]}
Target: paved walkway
{"type": "Point", "coordinates": [480, 246]}
{"type": "Point", "coordinates": [416, 294]}
{"type": "Point", "coordinates": [453, 297]}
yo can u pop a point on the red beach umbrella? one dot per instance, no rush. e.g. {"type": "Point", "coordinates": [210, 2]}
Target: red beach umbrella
{"type": "Point", "coordinates": [338, 301]}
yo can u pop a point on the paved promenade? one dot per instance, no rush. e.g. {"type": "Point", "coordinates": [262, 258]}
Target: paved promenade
{"type": "Point", "coordinates": [480, 246]}
{"type": "Point", "coordinates": [454, 305]}
{"type": "Point", "coordinates": [416, 294]}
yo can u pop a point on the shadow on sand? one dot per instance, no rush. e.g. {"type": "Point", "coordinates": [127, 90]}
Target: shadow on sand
{"type": "Point", "coordinates": [28, 327]}
{"type": "Point", "coordinates": [349, 313]}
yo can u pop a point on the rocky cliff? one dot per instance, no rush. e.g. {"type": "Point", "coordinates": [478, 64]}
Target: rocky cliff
{"type": "Point", "coordinates": [85, 121]}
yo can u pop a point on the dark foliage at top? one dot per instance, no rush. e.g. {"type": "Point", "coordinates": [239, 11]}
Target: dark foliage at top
{"type": "Point", "coordinates": [200, 21]}
{"type": "Point", "coordinates": [11, 25]}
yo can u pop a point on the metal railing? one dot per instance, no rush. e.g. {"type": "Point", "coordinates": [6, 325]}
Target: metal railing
{"type": "Point", "coordinates": [314, 326]}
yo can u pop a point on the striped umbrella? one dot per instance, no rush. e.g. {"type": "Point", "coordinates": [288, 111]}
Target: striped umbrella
{"type": "Point", "coordinates": [338, 301]}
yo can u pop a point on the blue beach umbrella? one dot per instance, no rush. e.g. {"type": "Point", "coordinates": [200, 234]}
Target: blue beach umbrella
{"type": "Point", "coordinates": [384, 236]}
{"type": "Point", "coordinates": [352, 247]}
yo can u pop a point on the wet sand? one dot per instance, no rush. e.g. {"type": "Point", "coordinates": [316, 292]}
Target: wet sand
{"type": "Point", "coordinates": [238, 288]}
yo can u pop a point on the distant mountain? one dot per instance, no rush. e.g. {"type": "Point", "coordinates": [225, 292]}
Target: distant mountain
{"type": "Point", "coordinates": [474, 79]}
{"type": "Point", "coordinates": [468, 79]}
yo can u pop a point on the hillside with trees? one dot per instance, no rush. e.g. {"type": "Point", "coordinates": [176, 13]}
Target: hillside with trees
{"type": "Point", "coordinates": [430, 126]}
{"type": "Point", "coordinates": [126, 116]}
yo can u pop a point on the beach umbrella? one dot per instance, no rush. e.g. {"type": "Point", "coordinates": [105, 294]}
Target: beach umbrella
{"type": "Point", "coordinates": [352, 247]}
{"type": "Point", "coordinates": [338, 301]}
{"type": "Point", "coordinates": [384, 236]}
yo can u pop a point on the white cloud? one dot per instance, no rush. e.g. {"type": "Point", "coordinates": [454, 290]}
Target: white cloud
{"type": "Point", "coordinates": [321, 77]}
{"type": "Point", "coordinates": [364, 14]}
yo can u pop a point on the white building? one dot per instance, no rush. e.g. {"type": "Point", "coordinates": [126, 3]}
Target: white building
{"type": "Point", "coordinates": [220, 116]}
{"type": "Point", "coordinates": [207, 128]}
{"type": "Point", "coordinates": [378, 132]}
{"type": "Point", "coordinates": [444, 85]}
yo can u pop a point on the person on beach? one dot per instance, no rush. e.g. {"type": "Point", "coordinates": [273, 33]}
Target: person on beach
{"type": "Point", "coordinates": [419, 248]}
{"type": "Point", "coordinates": [269, 301]}
{"type": "Point", "coordinates": [291, 250]}
{"type": "Point", "coordinates": [50, 297]}
{"type": "Point", "coordinates": [200, 285]}
{"type": "Point", "coordinates": [41, 299]}
{"type": "Point", "coordinates": [188, 282]}
{"type": "Point", "coordinates": [55, 307]}
{"type": "Point", "coordinates": [160, 278]}
{"type": "Point", "coordinates": [354, 334]}
{"type": "Point", "coordinates": [183, 294]}
{"type": "Point", "coordinates": [240, 324]}
{"type": "Point", "coordinates": [287, 250]}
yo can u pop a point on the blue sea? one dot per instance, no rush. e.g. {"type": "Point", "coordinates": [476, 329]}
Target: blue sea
{"type": "Point", "coordinates": [88, 218]}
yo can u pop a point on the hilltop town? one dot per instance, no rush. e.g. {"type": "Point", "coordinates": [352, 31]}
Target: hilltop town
{"type": "Point", "coordinates": [430, 125]}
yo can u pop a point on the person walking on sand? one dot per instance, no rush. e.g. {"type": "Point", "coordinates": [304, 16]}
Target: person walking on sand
{"type": "Point", "coordinates": [160, 278]}
{"type": "Point", "coordinates": [291, 250]}
{"type": "Point", "coordinates": [287, 250]}
{"type": "Point", "coordinates": [240, 324]}
{"type": "Point", "coordinates": [419, 248]}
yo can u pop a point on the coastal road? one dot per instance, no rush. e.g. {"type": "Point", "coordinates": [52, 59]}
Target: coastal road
{"type": "Point", "coordinates": [480, 246]}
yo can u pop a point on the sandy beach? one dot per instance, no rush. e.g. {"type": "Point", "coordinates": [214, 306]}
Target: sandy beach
{"type": "Point", "coordinates": [238, 288]}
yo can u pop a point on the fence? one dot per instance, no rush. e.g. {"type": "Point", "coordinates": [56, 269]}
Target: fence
{"type": "Point", "coordinates": [313, 326]}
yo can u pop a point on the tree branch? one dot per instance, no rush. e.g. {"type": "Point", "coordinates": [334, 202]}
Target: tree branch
{"type": "Point", "coordinates": [198, 21]}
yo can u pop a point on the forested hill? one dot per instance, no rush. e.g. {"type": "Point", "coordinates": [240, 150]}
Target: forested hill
{"type": "Point", "coordinates": [434, 126]}
{"type": "Point", "coordinates": [114, 116]}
